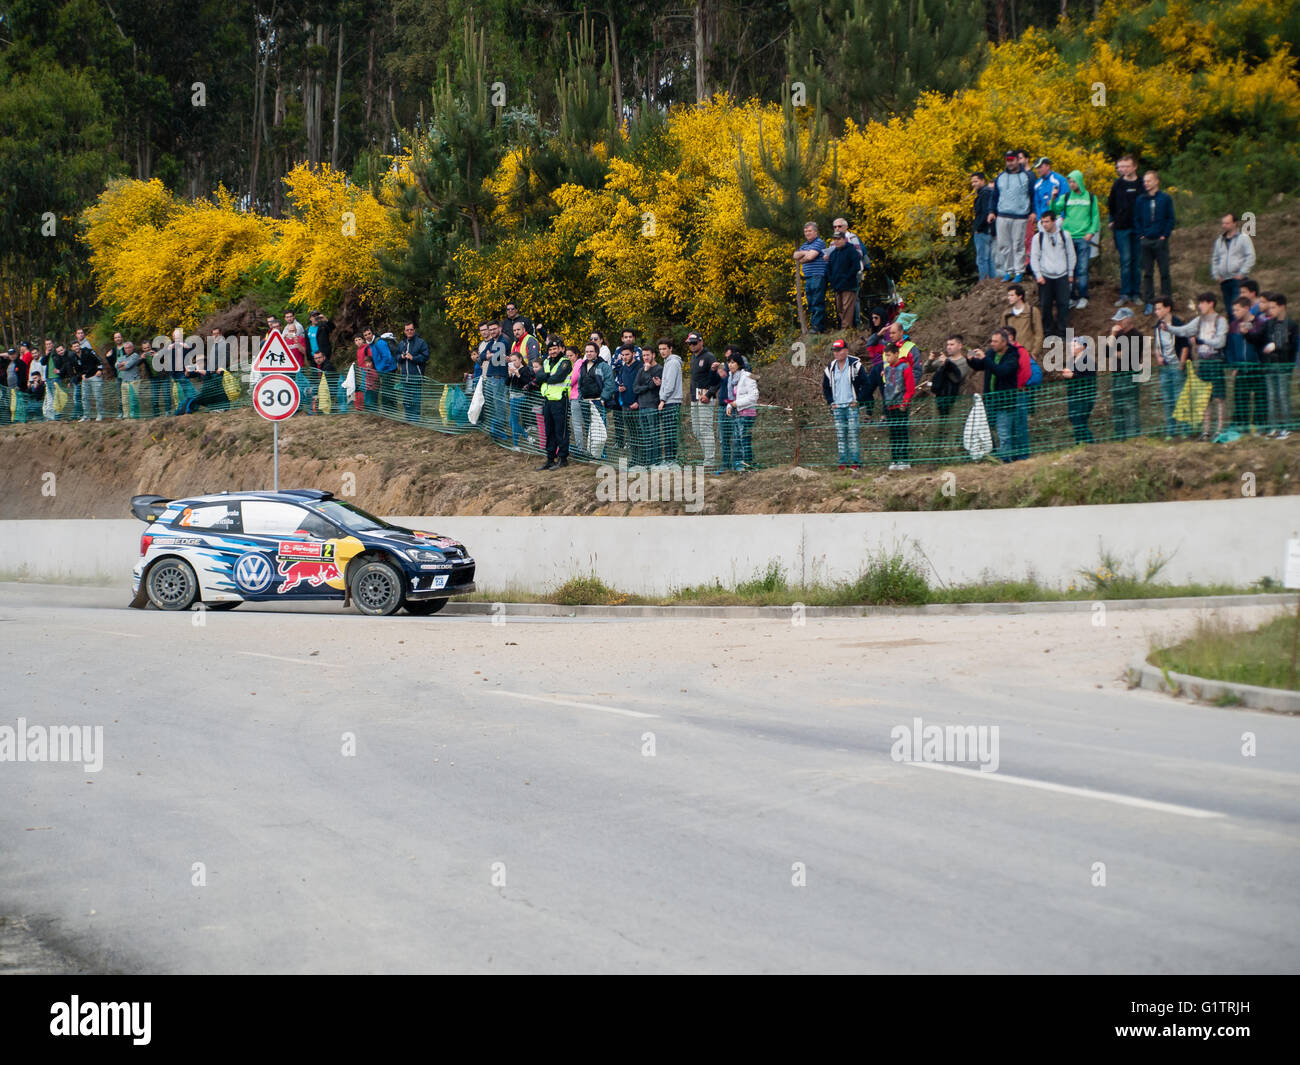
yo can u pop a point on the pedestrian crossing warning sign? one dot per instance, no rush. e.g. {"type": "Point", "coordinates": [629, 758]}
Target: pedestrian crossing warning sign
{"type": "Point", "coordinates": [275, 356]}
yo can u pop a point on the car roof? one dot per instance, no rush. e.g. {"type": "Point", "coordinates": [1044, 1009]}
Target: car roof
{"type": "Point", "coordinates": [286, 495]}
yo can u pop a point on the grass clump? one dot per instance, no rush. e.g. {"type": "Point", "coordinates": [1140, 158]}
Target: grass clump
{"type": "Point", "coordinates": [589, 590]}
{"type": "Point", "coordinates": [890, 580]}
{"type": "Point", "coordinates": [1220, 649]}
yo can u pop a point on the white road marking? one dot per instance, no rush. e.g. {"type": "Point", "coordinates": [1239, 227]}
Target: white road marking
{"type": "Point", "coordinates": [1067, 789]}
{"type": "Point", "coordinates": [567, 702]}
{"type": "Point", "coordinates": [296, 661]}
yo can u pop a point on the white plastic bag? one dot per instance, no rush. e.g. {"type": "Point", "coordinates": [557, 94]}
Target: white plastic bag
{"type": "Point", "coordinates": [476, 404]}
{"type": "Point", "coordinates": [976, 437]}
{"type": "Point", "coordinates": [598, 434]}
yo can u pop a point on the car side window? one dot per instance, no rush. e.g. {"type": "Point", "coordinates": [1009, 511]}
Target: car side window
{"type": "Point", "coordinates": [317, 526]}
{"type": "Point", "coordinates": [267, 517]}
{"type": "Point", "coordinates": [210, 517]}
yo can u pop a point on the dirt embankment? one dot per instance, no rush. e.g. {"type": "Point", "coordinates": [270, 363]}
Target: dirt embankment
{"type": "Point", "coordinates": [396, 469]}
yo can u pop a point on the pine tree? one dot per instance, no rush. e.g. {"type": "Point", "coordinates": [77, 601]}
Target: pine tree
{"type": "Point", "coordinates": [873, 58]}
{"type": "Point", "coordinates": [463, 144]}
{"type": "Point", "coordinates": [587, 120]}
{"type": "Point", "coordinates": [781, 191]}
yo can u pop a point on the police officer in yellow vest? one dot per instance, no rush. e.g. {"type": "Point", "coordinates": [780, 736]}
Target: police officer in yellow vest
{"type": "Point", "coordinates": [554, 387]}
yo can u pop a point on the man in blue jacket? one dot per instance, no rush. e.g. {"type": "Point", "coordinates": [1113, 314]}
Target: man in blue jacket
{"type": "Point", "coordinates": [1001, 366]}
{"type": "Point", "coordinates": [1050, 190]}
{"type": "Point", "coordinates": [1154, 222]}
{"type": "Point", "coordinates": [626, 369]}
{"type": "Point", "coordinates": [384, 362]}
{"type": "Point", "coordinates": [412, 356]}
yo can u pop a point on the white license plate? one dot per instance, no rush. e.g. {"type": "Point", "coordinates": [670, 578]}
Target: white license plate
{"type": "Point", "coordinates": [440, 582]}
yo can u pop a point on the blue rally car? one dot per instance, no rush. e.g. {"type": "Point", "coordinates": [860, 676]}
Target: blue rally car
{"type": "Point", "coordinates": [299, 544]}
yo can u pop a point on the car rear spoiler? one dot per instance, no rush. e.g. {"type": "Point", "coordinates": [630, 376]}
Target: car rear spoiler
{"type": "Point", "coordinates": [148, 508]}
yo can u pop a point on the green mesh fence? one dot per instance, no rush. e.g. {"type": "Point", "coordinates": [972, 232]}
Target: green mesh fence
{"type": "Point", "coordinates": [1046, 418]}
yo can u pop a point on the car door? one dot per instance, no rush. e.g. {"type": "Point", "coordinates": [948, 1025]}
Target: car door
{"type": "Point", "coordinates": [300, 547]}
{"type": "Point", "coordinates": [206, 535]}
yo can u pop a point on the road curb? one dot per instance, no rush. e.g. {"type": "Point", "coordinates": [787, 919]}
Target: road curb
{"type": "Point", "coordinates": [554, 610]}
{"type": "Point", "coordinates": [1142, 674]}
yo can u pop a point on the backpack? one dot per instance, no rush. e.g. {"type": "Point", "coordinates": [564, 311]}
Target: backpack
{"type": "Point", "coordinates": [1030, 373]}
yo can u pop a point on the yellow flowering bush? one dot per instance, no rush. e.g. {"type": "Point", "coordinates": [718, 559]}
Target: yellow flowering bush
{"type": "Point", "coordinates": [330, 241]}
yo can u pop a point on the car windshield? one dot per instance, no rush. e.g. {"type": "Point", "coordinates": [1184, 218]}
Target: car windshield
{"type": "Point", "coordinates": [354, 519]}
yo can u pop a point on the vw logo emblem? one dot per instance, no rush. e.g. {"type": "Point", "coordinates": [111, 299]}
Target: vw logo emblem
{"type": "Point", "coordinates": [253, 573]}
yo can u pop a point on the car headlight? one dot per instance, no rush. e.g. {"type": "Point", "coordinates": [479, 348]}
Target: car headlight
{"type": "Point", "coordinates": [418, 555]}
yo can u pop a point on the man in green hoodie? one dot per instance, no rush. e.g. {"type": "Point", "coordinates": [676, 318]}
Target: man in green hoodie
{"type": "Point", "coordinates": [1083, 222]}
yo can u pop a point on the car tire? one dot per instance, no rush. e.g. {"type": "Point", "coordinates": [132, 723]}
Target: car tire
{"type": "Point", "coordinates": [224, 606]}
{"type": "Point", "coordinates": [376, 589]}
{"type": "Point", "coordinates": [424, 607]}
{"type": "Point", "coordinates": [172, 584]}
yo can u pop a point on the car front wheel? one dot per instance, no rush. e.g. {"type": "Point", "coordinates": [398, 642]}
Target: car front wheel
{"type": "Point", "coordinates": [424, 607]}
{"type": "Point", "coordinates": [172, 585]}
{"type": "Point", "coordinates": [377, 589]}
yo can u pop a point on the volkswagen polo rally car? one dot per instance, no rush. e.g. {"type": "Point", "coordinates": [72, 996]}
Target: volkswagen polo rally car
{"type": "Point", "coordinates": [299, 544]}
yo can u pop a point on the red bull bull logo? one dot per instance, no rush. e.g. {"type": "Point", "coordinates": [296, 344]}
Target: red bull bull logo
{"type": "Point", "coordinates": [296, 571]}
{"type": "Point", "coordinates": [307, 563]}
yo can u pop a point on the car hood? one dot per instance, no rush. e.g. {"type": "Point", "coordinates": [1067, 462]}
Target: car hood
{"type": "Point", "coordinates": [407, 538]}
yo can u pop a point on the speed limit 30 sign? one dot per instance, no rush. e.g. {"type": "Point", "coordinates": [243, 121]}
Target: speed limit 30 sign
{"type": "Point", "coordinates": [276, 397]}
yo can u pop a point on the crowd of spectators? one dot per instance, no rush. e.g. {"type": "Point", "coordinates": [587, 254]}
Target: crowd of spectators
{"type": "Point", "coordinates": [559, 398]}
{"type": "Point", "coordinates": [532, 390]}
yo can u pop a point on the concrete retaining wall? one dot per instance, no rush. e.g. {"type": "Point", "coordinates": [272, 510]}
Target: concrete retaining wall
{"type": "Point", "coordinates": [1229, 541]}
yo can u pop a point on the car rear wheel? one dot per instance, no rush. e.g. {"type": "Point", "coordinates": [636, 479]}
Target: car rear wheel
{"type": "Point", "coordinates": [172, 585]}
{"type": "Point", "coordinates": [377, 589]}
{"type": "Point", "coordinates": [424, 607]}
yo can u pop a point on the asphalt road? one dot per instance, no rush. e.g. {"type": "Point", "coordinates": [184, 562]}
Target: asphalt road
{"type": "Point", "coordinates": [501, 812]}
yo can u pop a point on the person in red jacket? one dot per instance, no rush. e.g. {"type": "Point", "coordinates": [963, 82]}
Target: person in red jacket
{"type": "Point", "coordinates": [898, 386]}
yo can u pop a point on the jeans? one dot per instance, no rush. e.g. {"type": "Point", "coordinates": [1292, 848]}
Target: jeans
{"type": "Point", "coordinates": [1172, 380]}
{"type": "Point", "coordinates": [743, 445]}
{"type": "Point", "coordinates": [495, 400]}
{"type": "Point", "coordinates": [702, 415]}
{"type": "Point", "coordinates": [518, 401]}
{"type": "Point", "coordinates": [187, 393]}
{"type": "Point", "coordinates": [669, 425]}
{"type": "Point", "coordinates": [726, 439]}
{"type": "Point", "coordinates": [577, 430]}
{"type": "Point", "coordinates": [984, 255]}
{"type": "Point", "coordinates": [412, 385]}
{"type": "Point", "coordinates": [1011, 244]}
{"type": "Point", "coordinates": [846, 435]}
{"type": "Point", "coordinates": [1155, 252]}
{"type": "Point", "coordinates": [1082, 264]}
{"type": "Point", "coordinates": [815, 290]}
{"type": "Point", "coordinates": [1231, 289]}
{"type": "Point", "coordinates": [1020, 427]}
{"type": "Point", "coordinates": [1004, 417]}
{"type": "Point", "coordinates": [1128, 245]}
{"type": "Point", "coordinates": [92, 395]}
{"type": "Point", "coordinates": [1277, 389]}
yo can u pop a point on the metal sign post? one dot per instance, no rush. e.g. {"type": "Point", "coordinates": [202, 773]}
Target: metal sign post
{"type": "Point", "coordinates": [275, 396]}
